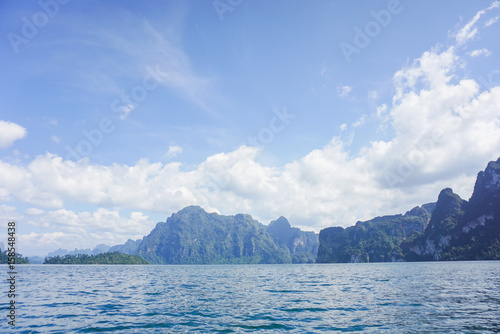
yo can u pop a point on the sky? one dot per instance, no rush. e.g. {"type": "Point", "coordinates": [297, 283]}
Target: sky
{"type": "Point", "coordinates": [115, 115]}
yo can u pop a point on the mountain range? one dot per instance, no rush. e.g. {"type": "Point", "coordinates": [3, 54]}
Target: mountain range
{"type": "Point", "coordinates": [194, 236]}
{"type": "Point", "coordinates": [450, 229]}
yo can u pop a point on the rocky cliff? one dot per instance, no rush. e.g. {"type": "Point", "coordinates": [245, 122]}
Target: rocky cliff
{"type": "Point", "coordinates": [463, 230]}
{"type": "Point", "coordinates": [193, 236]}
{"type": "Point", "coordinates": [303, 246]}
{"type": "Point", "coordinates": [376, 240]}
{"type": "Point", "coordinates": [452, 229]}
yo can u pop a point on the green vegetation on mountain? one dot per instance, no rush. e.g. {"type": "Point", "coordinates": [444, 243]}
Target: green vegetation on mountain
{"type": "Point", "coordinates": [376, 240]}
{"type": "Point", "coordinates": [463, 230]}
{"type": "Point", "coordinates": [103, 258]}
{"type": "Point", "coordinates": [452, 229]}
{"type": "Point", "coordinates": [129, 247]}
{"type": "Point", "coordinates": [303, 246]}
{"type": "Point", "coordinates": [19, 259]}
{"type": "Point", "coordinates": [193, 236]}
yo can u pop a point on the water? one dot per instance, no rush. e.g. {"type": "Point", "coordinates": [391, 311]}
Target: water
{"type": "Point", "coordinates": [446, 297]}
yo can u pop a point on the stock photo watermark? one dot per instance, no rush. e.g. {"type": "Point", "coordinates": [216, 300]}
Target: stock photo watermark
{"type": "Point", "coordinates": [277, 124]}
{"type": "Point", "coordinates": [223, 6]}
{"type": "Point", "coordinates": [416, 157]}
{"type": "Point", "coordinates": [364, 36]}
{"type": "Point", "coordinates": [489, 81]}
{"type": "Point", "coordinates": [121, 106]}
{"type": "Point", "coordinates": [11, 272]}
{"type": "Point", "coordinates": [31, 25]}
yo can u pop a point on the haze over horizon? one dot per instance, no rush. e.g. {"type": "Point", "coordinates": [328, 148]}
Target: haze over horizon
{"type": "Point", "coordinates": [115, 115]}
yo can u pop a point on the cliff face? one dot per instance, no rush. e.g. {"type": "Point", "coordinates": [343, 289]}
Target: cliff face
{"type": "Point", "coordinates": [376, 240]}
{"type": "Point", "coordinates": [461, 230]}
{"type": "Point", "coordinates": [193, 236]}
{"type": "Point", "coordinates": [450, 229]}
{"type": "Point", "coordinates": [442, 226]}
{"type": "Point", "coordinates": [130, 247]}
{"type": "Point", "coordinates": [303, 246]}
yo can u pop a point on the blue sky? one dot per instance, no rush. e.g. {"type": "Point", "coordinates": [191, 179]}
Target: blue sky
{"type": "Point", "coordinates": [116, 114]}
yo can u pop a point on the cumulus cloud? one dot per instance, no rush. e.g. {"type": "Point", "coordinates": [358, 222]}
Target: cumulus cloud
{"type": "Point", "coordinates": [68, 229]}
{"type": "Point", "coordinates": [173, 151]}
{"type": "Point", "coordinates": [10, 132]}
{"type": "Point", "coordinates": [34, 212]}
{"type": "Point", "coordinates": [480, 52]}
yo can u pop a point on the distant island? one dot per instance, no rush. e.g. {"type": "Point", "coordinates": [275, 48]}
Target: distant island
{"type": "Point", "coordinates": [103, 258]}
{"type": "Point", "coordinates": [19, 259]}
{"type": "Point", "coordinates": [450, 229]}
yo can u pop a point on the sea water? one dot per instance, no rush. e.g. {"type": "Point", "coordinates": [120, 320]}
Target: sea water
{"type": "Point", "coordinates": [427, 297]}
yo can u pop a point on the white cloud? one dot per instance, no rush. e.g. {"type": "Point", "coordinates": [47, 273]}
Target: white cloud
{"type": "Point", "coordinates": [491, 21]}
{"type": "Point", "coordinates": [468, 31]}
{"type": "Point", "coordinates": [9, 213]}
{"type": "Point", "coordinates": [444, 133]}
{"type": "Point", "coordinates": [480, 52]}
{"type": "Point", "coordinates": [360, 121]}
{"type": "Point", "coordinates": [381, 110]}
{"type": "Point", "coordinates": [69, 230]}
{"type": "Point", "coordinates": [372, 95]}
{"type": "Point", "coordinates": [50, 121]}
{"type": "Point", "coordinates": [344, 91]}
{"type": "Point", "coordinates": [173, 151]}
{"type": "Point", "coordinates": [10, 132]}
{"type": "Point", "coordinates": [126, 110]}
{"type": "Point", "coordinates": [34, 212]}
{"type": "Point", "coordinates": [343, 127]}
{"type": "Point", "coordinates": [171, 64]}
{"type": "Point", "coordinates": [55, 139]}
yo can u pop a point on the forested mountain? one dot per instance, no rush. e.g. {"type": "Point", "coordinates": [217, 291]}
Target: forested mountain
{"type": "Point", "coordinates": [450, 229]}
{"type": "Point", "coordinates": [463, 230]}
{"type": "Point", "coordinates": [129, 247]}
{"type": "Point", "coordinates": [303, 246]}
{"type": "Point", "coordinates": [376, 240]}
{"type": "Point", "coordinates": [193, 236]}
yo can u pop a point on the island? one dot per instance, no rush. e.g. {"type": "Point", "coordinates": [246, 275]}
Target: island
{"type": "Point", "coordinates": [103, 258]}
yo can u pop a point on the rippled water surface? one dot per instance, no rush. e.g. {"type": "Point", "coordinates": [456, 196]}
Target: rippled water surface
{"type": "Point", "coordinates": [446, 297]}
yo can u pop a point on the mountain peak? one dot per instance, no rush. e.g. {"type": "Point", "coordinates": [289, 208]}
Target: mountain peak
{"type": "Point", "coordinates": [487, 183]}
{"type": "Point", "coordinates": [448, 205]}
{"type": "Point", "coordinates": [192, 209]}
{"type": "Point", "coordinates": [491, 175]}
{"type": "Point", "coordinates": [280, 223]}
